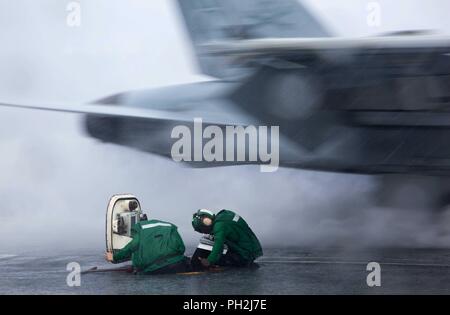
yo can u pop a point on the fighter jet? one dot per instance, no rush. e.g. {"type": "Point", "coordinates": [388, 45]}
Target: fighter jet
{"type": "Point", "coordinates": [372, 105]}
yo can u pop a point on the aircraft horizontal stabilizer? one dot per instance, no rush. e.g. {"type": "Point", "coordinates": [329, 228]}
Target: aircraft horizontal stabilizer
{"type": "Point", "coordinates": [274, 46]}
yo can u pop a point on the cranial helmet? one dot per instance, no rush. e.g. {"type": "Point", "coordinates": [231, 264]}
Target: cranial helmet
{"type": "Point", "coordinates": [202, 221]}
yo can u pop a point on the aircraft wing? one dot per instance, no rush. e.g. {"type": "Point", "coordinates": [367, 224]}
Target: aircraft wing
{"type": "Point", "coordinates": [208, 115]}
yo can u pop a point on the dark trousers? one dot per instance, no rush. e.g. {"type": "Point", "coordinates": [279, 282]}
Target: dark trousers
{"type": "Point", "coordinates": [179, 267]}
{"type": "Point", "coordinates": [230, 259]}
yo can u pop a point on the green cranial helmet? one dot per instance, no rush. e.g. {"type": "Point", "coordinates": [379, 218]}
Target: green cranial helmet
{"type": "Point", "coordinates": [202, 221]}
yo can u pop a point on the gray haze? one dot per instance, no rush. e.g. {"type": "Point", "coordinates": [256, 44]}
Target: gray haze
{"type": "Point", "coordinates": [55, 182]}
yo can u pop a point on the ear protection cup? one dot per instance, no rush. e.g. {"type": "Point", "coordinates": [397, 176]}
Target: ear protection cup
{"type": "Point", "coordinates": [207, 221]}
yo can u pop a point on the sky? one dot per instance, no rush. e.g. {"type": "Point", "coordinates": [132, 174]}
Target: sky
{"type": "Point", "coordinates": [55, 182]}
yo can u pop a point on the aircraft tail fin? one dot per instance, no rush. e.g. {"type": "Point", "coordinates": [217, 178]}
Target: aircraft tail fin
{"type": "Point", "coordinates": [212, 21]}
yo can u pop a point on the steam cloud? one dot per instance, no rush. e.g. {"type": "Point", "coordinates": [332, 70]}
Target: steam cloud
{"type": "Point", "coordinates": [55, 190]}
{"type": "Point", "coordinates": [55, 182]}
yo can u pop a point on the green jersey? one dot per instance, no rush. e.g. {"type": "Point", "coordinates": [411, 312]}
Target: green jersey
{"type": "Point", "coordinates": [155, 244]}
{"type": "Point", "coordinates": [231, 229]}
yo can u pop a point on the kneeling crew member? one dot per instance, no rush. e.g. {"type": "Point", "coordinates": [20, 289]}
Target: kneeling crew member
{"type": "Point", "coordinates": [156, 248]}
{"type": "Point", "coordinates": [227, 228]}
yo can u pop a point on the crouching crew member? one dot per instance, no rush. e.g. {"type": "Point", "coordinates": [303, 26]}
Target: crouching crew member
{"type": "Point", "coordinates": [156, 248]}
{"type": "Point", "coordinates": [227, 228]}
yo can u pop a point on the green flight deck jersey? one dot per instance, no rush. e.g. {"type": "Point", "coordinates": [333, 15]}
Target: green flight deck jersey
{"type": "Point", "coordinates": [229, 228]}
{"type": "Point", "coordinates": [155, 244]}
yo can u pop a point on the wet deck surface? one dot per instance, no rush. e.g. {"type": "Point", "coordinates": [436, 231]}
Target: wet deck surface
{"type": "Point", "coordinates": [282, 271]}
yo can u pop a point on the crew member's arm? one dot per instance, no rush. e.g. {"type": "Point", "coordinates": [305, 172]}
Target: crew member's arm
{"type": "Point", "coordinates": [220, 233]}
{"type": "Point", "coordinates": [129, 249]}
